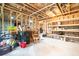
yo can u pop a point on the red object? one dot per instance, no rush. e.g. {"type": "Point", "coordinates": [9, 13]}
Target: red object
{"type": "Point", "coordinates": [23, 44]}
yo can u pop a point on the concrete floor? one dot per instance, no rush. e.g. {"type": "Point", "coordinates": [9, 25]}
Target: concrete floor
{"type": "Point", "coordinates": [48, 47]}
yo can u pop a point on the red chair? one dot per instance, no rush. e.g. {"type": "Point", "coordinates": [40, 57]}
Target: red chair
{"type": "Point", "coordinates": [23, 44]}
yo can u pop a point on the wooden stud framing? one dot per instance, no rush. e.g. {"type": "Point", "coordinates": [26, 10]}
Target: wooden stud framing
{"type": "Point", "coordinates": [10, 17]}
{"type": "Point", "coordinates": [21, 19]}
{"type": "Point", "coordinates": [2, 13]}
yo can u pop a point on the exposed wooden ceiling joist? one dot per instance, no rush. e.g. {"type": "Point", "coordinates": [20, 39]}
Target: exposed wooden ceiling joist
{"type": "Point", "coordinates": [41, 9]}
{"type": "Point", "coordinates": [24, 7]}
{"type": "Point", "coordinates": [59, 8]}
{"type": "Point", "coordinates": [18, 9]}
{"type": "Point", "coordinates": [70, 12]}
{"type": "Point", "coordinates": [41, 13]}
{"type": "Point", "coordinates": [14, 10]}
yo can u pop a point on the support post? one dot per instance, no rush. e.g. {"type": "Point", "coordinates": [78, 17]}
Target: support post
{"type": "Point", "coordinates": [10, 17]}
{"type": "Point", "coordinates": [2, 13]}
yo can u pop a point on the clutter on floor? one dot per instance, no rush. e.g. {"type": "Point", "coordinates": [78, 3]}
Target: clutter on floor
{"type": "Point", "coordinates": [47, 47]}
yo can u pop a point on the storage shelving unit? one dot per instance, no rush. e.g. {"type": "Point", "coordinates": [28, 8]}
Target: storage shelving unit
{"type": "Point", "coordinates": [65, 29]}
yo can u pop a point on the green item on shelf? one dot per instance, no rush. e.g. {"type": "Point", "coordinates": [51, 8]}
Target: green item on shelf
{"type": "Point", "coordinates": [11, 28]}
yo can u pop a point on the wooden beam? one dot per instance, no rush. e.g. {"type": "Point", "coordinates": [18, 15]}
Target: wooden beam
{"type": "Point", "coordinates": [36, 23]}
{"type": "Point", "coordinates": [70, 12]}
{"type": "Point", "coordinates": [26, 20]}
{"type": "Point", "coordinates": [30, 8]}
{"type": "Point", "coordinates": [23, 7]}
{"type": "Point", "coordinates": [35, 9]}
{"type": "Point", "coordinates": [16, 19]}
{"type": "Point", "coordinates": [15, 7]}
{"type": "Point", "coordinates": [15, 11]}
{"type": "Point", "coordinates": [41, 9]}
{"type": "Point", "coordinates": [41, 12]}
{"type": "Point", "coordinates": [10, 17]}
{"type": "Point", "coordinates": [69, 7]}
{"type": "Point", "coordinates": [17, 16]}
{"type": "Point", "coordinates": [46, 26]}
{"type": "Point", "coordinates": [58, 6]}
{"type": "Point", "coordinates": [2, 13]}
{"type": "Point", "coordinates": [21, 19]}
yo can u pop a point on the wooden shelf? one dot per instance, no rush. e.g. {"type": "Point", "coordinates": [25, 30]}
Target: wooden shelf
{"type": "Point", "coordinates": [72, 37]}
{"type": "Point", "coordinates": [65, 25]}
{"type": "Point", "coordinates": [70, 25]}
{"type": "Point", "coordinates": [75, 30]}
{"type": "Point", "coordinates": [66, 20]}
{"type": "Point", "coordinates": [65, 36]}
{"type": "Point", "coordinates": [60, 25]}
